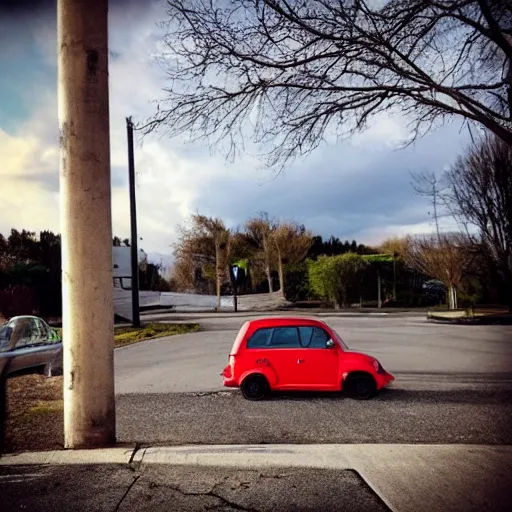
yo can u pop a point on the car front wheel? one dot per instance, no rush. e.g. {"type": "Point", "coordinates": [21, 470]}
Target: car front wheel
{"type": "Point", "coordinates": [254, 387]}
{"type": "Point", "coordinates": [361, 387]}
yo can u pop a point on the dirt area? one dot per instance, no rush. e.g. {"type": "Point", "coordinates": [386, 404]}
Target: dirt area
{"type": "Point", "coordinates": [34, 414]}
{"type": "Point", "coordinates": [35, 403]}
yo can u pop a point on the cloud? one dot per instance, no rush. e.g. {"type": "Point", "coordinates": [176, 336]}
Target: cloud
{"type": "Point", "coordinates": [25, 201]}
{"type": "Point", "coordinates": [359, 189]}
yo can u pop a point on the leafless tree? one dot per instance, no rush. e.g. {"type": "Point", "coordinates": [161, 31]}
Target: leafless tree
{"type": "Point", "coordinates": [428, 184]}
{"type": "Point", "coordinates": [261, 230]}
{"type": "Point", "coordinates": [182, 274]}
{"type": "Point", "coordinates": [286, 73]}
{"type": "Point", "coordinates": [397, 246]}
{"type": "Point", "coordinates": [292, 242]}
{"type": "Point", "coordinates": [209, 241]}
{"type": "Point", "coordinates": [445, 258]}
{"type": "Point", "coordinates": [481, 196]}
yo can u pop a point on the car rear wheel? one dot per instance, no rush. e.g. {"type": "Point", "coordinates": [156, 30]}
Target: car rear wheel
{"type": "Point", "coordinates": [361, 387]}
{"type": "Point", "coordinates": [254, 387]}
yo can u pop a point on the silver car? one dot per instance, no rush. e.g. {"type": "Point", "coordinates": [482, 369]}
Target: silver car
{"type": "Point", "coordinates": [28, 343]}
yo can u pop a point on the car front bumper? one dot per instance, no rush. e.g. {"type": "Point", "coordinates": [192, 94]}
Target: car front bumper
{"type": "Point", "coordinates": [383, 379]}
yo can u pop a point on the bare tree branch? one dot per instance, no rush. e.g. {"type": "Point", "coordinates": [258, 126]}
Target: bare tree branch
{"type": "Point", "coordinates": [481, 195]}
{"type": "Point", "coordinates": [284, 74]}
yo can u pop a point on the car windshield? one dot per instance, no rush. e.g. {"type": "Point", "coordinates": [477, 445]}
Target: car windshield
{"type": "Point", "coordinates": [5, 334]}
{"type": "Point", "coordinates": [343, 345]}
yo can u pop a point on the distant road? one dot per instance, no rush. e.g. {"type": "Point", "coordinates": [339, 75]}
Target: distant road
{"type": "Point", "coordinates": [427, 355]}
{"type": "Point", "coordinates": [187, 302]}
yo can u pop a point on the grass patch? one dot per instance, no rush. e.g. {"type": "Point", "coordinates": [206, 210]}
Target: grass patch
{"type": "Point", "coordinates": [127, 335]}
{"type": "Point", "coordinates": [45, 407]}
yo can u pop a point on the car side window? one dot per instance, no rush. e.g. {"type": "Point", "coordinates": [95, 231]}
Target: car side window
{"type": "Point", "coordinates": [279, 337]}
{"type": "Point", "coordinates": [260, 339]}
{"type": "Point", "coordinates": [27, 333]}
{"type": "Point", "coordinates": [42, 333]}
{"type": "Point", "coordinates": [285, 337]}
{"type": "Point", "coordinates": [21, 332]}
{"type": "Point", "coordinates": [313, 337]}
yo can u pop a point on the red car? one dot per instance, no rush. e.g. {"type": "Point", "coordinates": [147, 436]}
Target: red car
{"type": "Point", "coordinates": [297, 353]}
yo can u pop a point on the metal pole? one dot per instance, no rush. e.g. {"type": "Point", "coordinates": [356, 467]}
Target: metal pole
{"type": "Point", "coordinates": [379, 299]}
{"type": "Point", "coordinates": [394, 277]}
{"type": "Point", "coordinates": [234, 274]}
{"type": "Point", "coordinates": [133, 225]}
{"type": "Point", "coordinates": [86, 224]}
{"type": "Point", "coordinates": [235, 297]}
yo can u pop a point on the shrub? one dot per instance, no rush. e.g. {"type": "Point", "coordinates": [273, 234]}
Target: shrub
{"type": "Point", "coordinates": [297, 282]}
{"type": "Point", "coordinates": [337, 278]}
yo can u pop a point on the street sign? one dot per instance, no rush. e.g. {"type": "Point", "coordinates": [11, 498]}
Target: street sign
{"type": "Point", "coordinates": [235, 271]}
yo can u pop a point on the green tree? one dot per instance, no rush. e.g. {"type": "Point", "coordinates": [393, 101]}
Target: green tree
{"type": "Point", "coordinates": [337, 278]}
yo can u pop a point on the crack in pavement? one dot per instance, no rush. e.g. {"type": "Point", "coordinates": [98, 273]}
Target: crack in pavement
{"type": "Point", "coordinates": [213, 493]}
{"type": "Point", "coordinates": [134, 481]}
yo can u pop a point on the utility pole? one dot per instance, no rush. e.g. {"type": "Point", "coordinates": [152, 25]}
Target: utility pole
{"type": "Point", "coordinates": [133, 224]}
{"type": "Point", "coordinates": [379, 297]}
{"type": "Point", "coordinates": [86, 225]}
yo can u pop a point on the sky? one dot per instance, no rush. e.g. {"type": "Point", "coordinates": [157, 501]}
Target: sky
{"type": "Point", "coordinates": [359, 189]}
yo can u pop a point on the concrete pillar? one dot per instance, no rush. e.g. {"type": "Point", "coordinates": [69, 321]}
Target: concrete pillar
{"type": "Point", "coordinates": [86, 226]}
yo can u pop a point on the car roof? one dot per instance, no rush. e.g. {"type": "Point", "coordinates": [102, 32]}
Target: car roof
{"type": "Point", "coordinates": [273, 321]}
{"type": "Point", "coordinates": [269, 321]}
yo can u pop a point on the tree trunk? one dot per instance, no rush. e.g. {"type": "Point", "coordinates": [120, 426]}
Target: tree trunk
{"type": "Point", "coordinates": [280, 270]}
{"type": "Point", "coordinates": [452, 297]}
{"type": "Point", "coordinates": [508, 290]}
{"type": "Point", "coordinates": [269, 278]}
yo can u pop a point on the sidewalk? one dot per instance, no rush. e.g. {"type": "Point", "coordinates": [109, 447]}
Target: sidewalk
{"type": "Point", "coordinates": [262, 477]}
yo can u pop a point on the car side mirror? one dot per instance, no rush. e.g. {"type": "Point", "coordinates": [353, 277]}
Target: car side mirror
{"type": "Point", "coordinates": [329, 344]}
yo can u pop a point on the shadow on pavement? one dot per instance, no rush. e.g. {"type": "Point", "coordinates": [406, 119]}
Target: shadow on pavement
{"type": "Point", "coordinates": [190, 488]}
{"type": "Point", "coordinates": [458, 396]}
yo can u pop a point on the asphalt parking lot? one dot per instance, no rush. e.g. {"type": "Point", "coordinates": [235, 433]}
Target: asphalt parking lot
{"type": "Point", "coordinates": [453, 385]}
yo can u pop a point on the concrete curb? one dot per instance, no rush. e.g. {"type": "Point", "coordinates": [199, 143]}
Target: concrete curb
{"type": "Point", "coordinates": [470, 321]}
{"type": "Point", "coordinates": [100, 456]}
{"type": "Point", "coordinates": [336, 456]}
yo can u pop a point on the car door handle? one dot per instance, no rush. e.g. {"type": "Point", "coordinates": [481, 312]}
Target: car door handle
{"type": "Point", "coordinates": [300, 361]}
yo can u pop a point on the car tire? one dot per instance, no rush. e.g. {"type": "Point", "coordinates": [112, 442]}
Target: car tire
{"type": "Point", "coordinates": [255, 387]}
{"type": "Point", "coordinates": [361, 386]}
